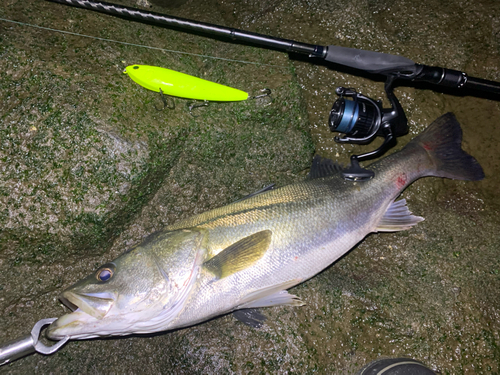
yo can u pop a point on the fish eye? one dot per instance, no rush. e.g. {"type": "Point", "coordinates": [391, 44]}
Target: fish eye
{"type": "Point", "coordinates": [104, 274]}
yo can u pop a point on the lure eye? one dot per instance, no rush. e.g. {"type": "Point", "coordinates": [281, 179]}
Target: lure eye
{"type": "Point", "coordinates": [104, 274]}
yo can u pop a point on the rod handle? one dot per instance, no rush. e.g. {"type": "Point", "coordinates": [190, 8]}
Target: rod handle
{"type": "Point", "coordinates": [369, 61]}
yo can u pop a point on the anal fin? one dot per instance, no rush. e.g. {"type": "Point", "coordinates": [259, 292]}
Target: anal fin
{"type": "Point", "coordinates": [275, 295]}
{"type": "Point", "coordinates": [397, 218]}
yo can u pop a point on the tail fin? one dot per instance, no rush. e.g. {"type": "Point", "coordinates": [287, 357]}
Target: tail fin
{"type": "Point", "coordinates": [443, 142]}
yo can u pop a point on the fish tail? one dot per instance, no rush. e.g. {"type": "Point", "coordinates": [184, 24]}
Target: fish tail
{"type": "Point", "coordinates": [442, 141]}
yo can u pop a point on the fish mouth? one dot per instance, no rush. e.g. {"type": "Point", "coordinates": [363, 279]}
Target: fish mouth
{"type": "Point", "coordinates": [96, 305]}
{"type": "Point", "coordinates": [87, 309]}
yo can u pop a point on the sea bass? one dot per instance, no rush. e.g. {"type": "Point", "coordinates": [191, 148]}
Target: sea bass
{"type": "Point", "coordinates": [247, 254]}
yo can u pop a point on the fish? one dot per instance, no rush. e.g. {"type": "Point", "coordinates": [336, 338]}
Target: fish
{"type": "Point", "coordinates": [246, 255]}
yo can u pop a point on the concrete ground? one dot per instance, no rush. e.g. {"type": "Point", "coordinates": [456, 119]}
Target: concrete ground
{"type": "Point", "coordinates": [88, 167]}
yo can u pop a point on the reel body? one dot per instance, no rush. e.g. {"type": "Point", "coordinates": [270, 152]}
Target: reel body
{"type": "Point", "coordinates": [361, 119]}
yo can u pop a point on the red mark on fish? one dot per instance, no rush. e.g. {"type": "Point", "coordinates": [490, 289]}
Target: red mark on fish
{"type": "Point", "coordinates": [401, 181]}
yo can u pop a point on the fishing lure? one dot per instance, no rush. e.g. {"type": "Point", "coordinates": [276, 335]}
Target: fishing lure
{"type": "Point", "coordinates": [182, 85]}
{"type": "Point", "coordinates": [170, 82]}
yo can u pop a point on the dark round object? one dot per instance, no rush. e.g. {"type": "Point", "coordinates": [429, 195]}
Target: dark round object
{"type": "Point", "coordinates": [104, 274]}
{"type": "Point", "coordinates": [396, 366]}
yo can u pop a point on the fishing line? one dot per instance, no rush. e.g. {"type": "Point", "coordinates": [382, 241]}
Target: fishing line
{"type": "Point", "coordinates": [141, 45]}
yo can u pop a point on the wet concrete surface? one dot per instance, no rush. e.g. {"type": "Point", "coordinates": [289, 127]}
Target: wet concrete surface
{"type": "Point", "coordinates": [88, 167]}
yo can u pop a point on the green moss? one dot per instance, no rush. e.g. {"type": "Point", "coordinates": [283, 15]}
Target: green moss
{"type": "Point", "coordinates": [91, 166]}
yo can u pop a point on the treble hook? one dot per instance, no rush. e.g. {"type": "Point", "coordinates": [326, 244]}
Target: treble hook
{"type": "Point", "coordinates": [166, 104]}
{"type": "Point", "coordinates": [265, 93]}
{"type": "Point", "coordinates": [29, 344]}
{"type": "Point", "coordinates": [194, 105]}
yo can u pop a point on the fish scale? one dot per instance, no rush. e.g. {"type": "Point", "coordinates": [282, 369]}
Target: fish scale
{"type": "Point", "coordinates": [298, 251]}
{"type": "Point", "coordinates": [247, 254]}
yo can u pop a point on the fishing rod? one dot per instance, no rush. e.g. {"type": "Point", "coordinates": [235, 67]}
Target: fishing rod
{"type": "Point", "coordinates": [359, 118]}
{"type": "Point", "coordinates": [369, 61]}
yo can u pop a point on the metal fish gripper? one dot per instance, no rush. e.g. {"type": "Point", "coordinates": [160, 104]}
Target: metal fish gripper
{"type": "Point", "coordinates": [23, 346]}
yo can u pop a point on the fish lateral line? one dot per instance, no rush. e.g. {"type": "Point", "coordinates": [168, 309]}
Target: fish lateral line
{"type": "Point", "coordinates": [298, 221]}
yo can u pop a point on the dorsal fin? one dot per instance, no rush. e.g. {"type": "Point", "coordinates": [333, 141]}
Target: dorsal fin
{"type": "Point", "coordinates": [323, 167]}
{"type": "Point", "coordinates": [240, 255]}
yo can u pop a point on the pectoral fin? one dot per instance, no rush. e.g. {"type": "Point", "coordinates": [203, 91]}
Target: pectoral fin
{"type": "Point", "coordinates": [397, 217]}
{"type": "Point", "coordinates": [240, 255]}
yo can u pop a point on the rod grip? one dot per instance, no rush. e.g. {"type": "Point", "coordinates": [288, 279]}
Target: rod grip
{"type": "Point", "coordinates": [373, 62]}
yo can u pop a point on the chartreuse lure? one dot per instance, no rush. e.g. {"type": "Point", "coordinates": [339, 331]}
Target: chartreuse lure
{"type": "Point", "coordinates": [182, 85]}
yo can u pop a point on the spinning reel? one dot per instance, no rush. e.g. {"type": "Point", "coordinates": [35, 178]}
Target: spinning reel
{"type": "Point", "coordinates": [361, 119]}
